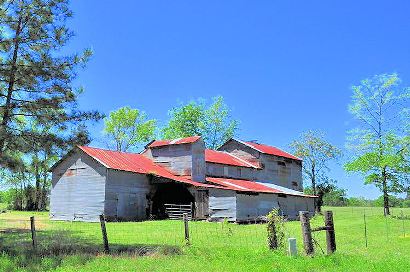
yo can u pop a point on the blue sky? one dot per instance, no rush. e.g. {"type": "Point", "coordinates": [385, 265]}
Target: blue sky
{"type": "Point", "coordinates": [282, 66]}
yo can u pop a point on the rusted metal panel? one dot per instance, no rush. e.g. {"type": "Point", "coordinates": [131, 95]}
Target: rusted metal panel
{"type": "Point", "coordinates": [187, 140]}
{"type": "Point", "coordinates": [225, 158]}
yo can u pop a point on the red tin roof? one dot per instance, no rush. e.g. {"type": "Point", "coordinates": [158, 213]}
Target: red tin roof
{"type": "Point", "coordinates": [187, 140]}
{"type": "Point", "coordinates": [221, 157]}
{"type": "Point", "coordinates": [242, 185]}
{"type": "Point", "coordinates": [266, 149]}
{"type": "Point", "coordinates": [135, 163]}
{"type": "Point", "coordinates": [254, 186]}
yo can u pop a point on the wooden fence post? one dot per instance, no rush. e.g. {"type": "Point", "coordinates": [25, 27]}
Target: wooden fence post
{"type": "Point", "coordinates": [104, 235]}
{"type": "Point", "coordinates": [330, 232]}
{"type": "Point", "coordinates": [186, 227]}
{"type": "Point", "coordinates": [33, 232]}
{"type": "Point", "coordinates": [306, 232]}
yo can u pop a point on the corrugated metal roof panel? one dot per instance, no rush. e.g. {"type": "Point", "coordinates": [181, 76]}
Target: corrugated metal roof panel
{"type": "Point", "coordinates": [285, 190]}
{"type": "Point", "coordinates": [242, 185]}
{"type": "Point", "coordinates": [221, 157]}
{"type": "Point", "coordinates": [135, 163]}
{"type": "Point", "coordinates": [187, 140]}
{"type": "Point", "coordinates": [271, 150]}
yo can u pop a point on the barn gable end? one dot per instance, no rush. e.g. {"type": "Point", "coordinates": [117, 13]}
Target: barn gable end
{"type": "Point", "coordinates": [72, 181]}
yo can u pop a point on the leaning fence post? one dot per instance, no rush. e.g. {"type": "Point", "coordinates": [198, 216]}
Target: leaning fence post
{"type": "Point", "coordinates": [104, 235]}
{"type": "Point", "coordinates": [33, 232]}
{"type": "Point", "coordinates": [186, 227]}
{"type": "Point", "coordinates": [306, 232]}
{"type": "Point", "coordinates": [330, 232]}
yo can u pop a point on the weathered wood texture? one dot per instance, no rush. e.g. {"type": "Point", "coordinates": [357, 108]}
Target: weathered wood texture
{"type": "Point", "coordinates": [306, 233]}
{"type": "Point", "coordinates": [33, 232]}
{"type": "Point", "coordinates": [104, 235]}
{"type": "Point", "coordinates": [330, 232]}
{"type": "Point", "coordinates": [201, 205]}
{"type": "Point", "coordinates": [78, 189]}
{"type": "Point", "coordinates": [186, 228]}
{"type": "Point", "coordinates": [178, 211]}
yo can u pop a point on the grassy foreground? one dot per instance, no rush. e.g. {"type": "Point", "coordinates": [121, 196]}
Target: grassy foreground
{"type": "Point", "coordinates": [159, 245]}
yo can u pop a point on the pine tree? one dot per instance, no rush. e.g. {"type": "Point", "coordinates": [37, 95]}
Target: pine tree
{"type": "Point", "coordinates": [36, 79]}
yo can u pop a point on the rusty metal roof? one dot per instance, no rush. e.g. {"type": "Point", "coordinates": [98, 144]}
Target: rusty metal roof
{"type": "Point", "coordinates": [135, 163]}
{"type": "Point", "coordinates": [242, 185]}
{"type": "Point", "coordinates": [221, 157]}
{"type": "Point", "coordinates": [254, 186]}
{"type": "Point", "coordinates": [187, 140]}
{"type": "Point", "coordinates": [271, 150]}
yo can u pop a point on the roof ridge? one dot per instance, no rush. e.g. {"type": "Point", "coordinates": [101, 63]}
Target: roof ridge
{"type": "Point", "coordinates": [106, 149]}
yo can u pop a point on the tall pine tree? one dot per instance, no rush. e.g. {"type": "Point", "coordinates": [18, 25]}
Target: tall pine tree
{"type": "Point", "coordinates": [36, 79]}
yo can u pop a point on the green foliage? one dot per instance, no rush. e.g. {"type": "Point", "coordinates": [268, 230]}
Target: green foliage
{"type": "Point", "coordinates": [128, 128]}
{"type": "Point", "coordinates": [37, 77]}
{"type": "Point", "coordinates": [244, 250]}
{"type": "Point", "coordinates": [360, 202]}
{"type": "Point", "coordinates": [213, 122]}
{"type": "Point", "coordinates": [380, 142]}
{"type": "Point", "coordinates": [316, 153]}
{"type": "Point", "coordinates": [276, 230]}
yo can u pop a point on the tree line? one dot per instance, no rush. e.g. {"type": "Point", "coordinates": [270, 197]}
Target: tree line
{"type": "Point", "coordinates": [40, 120]}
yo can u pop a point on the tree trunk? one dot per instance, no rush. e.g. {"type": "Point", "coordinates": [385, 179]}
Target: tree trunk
{"type": "Point", "coordinates": [314, 189]}
{"type": "Point", "coordinates": [385, 193]}
{"type": "Point", "coordinates": [37, 198]}
{"type": "Point", "coordinates": [7, 107]}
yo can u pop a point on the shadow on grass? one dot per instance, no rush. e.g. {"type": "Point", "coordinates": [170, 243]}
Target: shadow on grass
{"type": "Point", "coordinates": [56, 246]}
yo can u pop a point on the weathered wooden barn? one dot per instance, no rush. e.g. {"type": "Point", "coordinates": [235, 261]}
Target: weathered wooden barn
{"type": "Point", "coordinates": [241, 181]}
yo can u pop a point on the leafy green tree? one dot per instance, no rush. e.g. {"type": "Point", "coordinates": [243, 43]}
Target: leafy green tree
{"type": "Point", "coordinates": [36, 77]}
{"type": "Point", "coordinates": [316, 153]}
{"type": "Point", "coordinates": [380, 142]}
{"type": "Point", "coordinates": [213, 122]}
{"type": "Point", "coordinates": [127, 128]}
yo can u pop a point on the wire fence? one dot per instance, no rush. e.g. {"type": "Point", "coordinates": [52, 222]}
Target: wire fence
{"type": "Point", "coordinates": [363, 227]}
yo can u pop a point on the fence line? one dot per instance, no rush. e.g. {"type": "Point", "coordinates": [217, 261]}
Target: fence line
{"type": "Point", "coordinates": [53, 237]}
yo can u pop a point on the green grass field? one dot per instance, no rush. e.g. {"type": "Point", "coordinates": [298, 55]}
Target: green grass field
{"type": "Point", "coordinates": [159, 245]}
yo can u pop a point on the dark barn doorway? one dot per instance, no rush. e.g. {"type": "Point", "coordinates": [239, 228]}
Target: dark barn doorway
{"type": "Point", "coordinates": [169, 193]}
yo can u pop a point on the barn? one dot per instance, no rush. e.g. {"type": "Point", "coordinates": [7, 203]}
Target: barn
{"type": "Point", "coordinates": [241, 181]}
